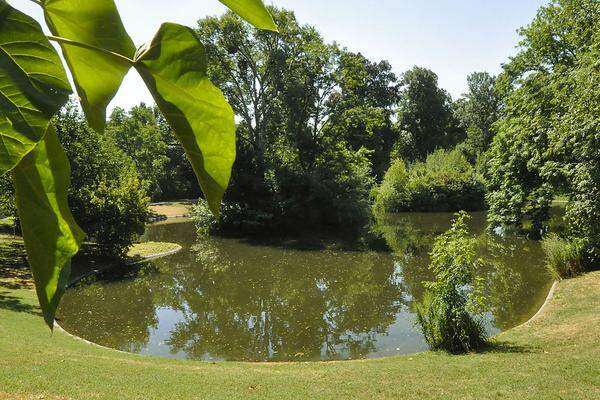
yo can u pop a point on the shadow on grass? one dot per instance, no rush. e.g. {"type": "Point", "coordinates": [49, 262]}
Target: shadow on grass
{"type": "Point", "coordinates": [507, 347]}
{"type": "Point", "coordinates": [14, 272]}
{"type": "Point", "coordinates": [12, 303]}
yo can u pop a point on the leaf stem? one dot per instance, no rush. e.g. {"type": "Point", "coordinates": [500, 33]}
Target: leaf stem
{"type": "Point", "coordinates": [38, 2]}
{"type": "Point", "coordinates": [70, 42]}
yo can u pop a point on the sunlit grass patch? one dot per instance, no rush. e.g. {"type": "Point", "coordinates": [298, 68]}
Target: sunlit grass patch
{"type": "Point", "coordinates": [151, 249]}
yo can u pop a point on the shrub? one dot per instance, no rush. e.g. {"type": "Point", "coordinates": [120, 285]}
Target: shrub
{"type": "Point", "coordinates": [8, 207]}
{"type": "Point", "coordinates": [446, 325]}
{"type": "Point", "coordinates": [564, 258]}
{"type": "Point", "coordinates": [392, 190]}
{"type": "Point", "coordinates": [106, 196]}
{"type": "Point", "coordinates": [445, 181]}
{"type": "Point", "coordinates": [204, 218]}
{"type": "Point", "coordinates": [449, 315]}
{"type": "Point", "coordinates": [331, 197]}
{"type": "Point", "coordinates": [335, 196]}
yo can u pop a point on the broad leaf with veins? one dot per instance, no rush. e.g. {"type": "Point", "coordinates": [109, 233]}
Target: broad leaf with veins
{"type": "Point", "coordinates": [33, 85]}
{"type": "Point", "coordinates": [50, 233]}
{"type": "Point", "coordinates": [253, 11]}
{"type": "Point", "coordinates": [97, 75]}
{"type": "Point", "coordinates": [173, 66]}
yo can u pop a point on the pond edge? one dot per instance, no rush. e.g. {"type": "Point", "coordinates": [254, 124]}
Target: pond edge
{"type": "Point", "coordinates": [57, 326]}
{"type": "Point", "coordinates": [549, 298]}
{"type": "Point", "coordinates": [144, 259]}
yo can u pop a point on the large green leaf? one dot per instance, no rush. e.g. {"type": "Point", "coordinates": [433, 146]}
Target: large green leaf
{"type": "Point", "coordinates": [97, 75]}
{"type": "Point", "coordinates": [253, 11]}
{"type": "Point", "coordinates": [173, 66]}
{"type": "Point", "coordinates": [52, 237]}
{"type": "Point", "coordinates": [33, 85]}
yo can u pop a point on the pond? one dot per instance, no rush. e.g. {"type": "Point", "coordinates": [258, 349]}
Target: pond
{"type": "Point", "coordinates": [231, 299]}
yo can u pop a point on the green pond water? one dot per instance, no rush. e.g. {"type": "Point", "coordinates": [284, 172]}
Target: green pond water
{"type": "Point", "coordinates": [231, 299]}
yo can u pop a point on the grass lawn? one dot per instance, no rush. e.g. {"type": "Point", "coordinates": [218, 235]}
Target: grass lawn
{"type": "Point", "coordinates": [172, 210]}
{"type": "Point", "coordinates": [6, 223]}
{"type": "Point", "coordinates": [556, 356]}
{"type": "Point", "coordinates": [143, 250]}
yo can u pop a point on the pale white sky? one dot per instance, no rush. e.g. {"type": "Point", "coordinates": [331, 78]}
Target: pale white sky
{"type": "Point", "coordinates": [451, 37]}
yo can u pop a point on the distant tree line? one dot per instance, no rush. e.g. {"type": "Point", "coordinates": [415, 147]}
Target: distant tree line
{"type": "Point", "coordinates": [326, 135]}
{"type": "Point", "coordinates": [319, 126]}
{"type": "Point", "coordinates": [548, 140]}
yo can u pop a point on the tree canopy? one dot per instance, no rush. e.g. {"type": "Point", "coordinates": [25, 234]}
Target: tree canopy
{"type": "Point", "coordinates": [425, 115]}
{"type": "Point", "coordinates": [35, 87]}
{"type": "Point", "coordinates": [309, 138]}
{"type": "Point", "coordinates": [547, 142]}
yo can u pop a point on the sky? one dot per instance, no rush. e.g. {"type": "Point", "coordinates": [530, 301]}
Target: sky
{"type": "Point", "coordinates": [451, 37]}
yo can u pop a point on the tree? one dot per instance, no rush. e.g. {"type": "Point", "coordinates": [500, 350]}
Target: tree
{"type": "Point", "coordinates": [425, 116]}
{"type": "Point", "coordinates": [35, 86]}
{"type": "Point", "coordinates": [547, 140]}
{"type": "Point", "coordinates": [477, 112]}
{"type": "Point", "coordinates": [361, 107]}
{"type": "Point", "coordinates": [298, 166]}
{"type": "Point", "coordinates": [271, 104]}
{"type": "Point", "coordinates": [138, 134]}
{"type": "Point", "coordinates": [107, 196]}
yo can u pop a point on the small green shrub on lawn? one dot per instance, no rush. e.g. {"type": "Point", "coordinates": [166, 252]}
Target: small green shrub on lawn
{"type": "Point", "coordinates": [564, 258]}
{"type": "Point", "coordinates": [204, 218]}
{"type": "Point", "coordinates": [450, 313]}
{"type": "Point", "coordinates": [444, 182]}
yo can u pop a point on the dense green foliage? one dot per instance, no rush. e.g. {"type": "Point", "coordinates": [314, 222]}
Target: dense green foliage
{"type": "Point", "coordinates": [138, 134]}
{"type": "Point", "coordinates": [308, 137]}
{"type": "Point", "coordinates": [445, 181]}
{"type": "Point", "coordinates": [425, 116]}
{"type": "Point", "coordinates": [144, 135]}
{"type": "Point", "coordinates": [548, 137]}
{"type": "Point", "coordinates": [477, 111]}
{"type": "Point", "coordinates": [107, 197]}
{"type": "Point", "coordinates": [99, 53]}
{"type": "Point", "coordinates": [563, 258]}
{"type": "Point", "coordinates": [8, 207]}
{"type": "Point", "coordinates": [447, 315]}
{"type": "Point", "coordinates": [361, 109]}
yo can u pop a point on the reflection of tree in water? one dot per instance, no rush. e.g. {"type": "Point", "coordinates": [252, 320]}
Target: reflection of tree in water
{"type": "Point", "coordinates": [514, 277]}
{"type": "Point", "coordinates": [274, 305]}
{"type": "Point", "coordinates": [103, 314]}
{"type": "Point", "coordinates": [237, 301]}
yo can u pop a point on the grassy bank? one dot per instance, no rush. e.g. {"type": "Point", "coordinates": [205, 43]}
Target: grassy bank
{"type": "Point", "coordinates": [171, 209]}
{"type": "Point", "coordinates": [556, 356]}
{"type": "Point", "coordinates": [145, 250]}
{"type": "Point", "coordinates": [12, 250]}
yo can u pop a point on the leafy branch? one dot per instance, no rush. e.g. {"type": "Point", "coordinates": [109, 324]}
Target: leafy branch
{"type": "Point", "coordinates": [34, 87]}
{"type": "Point", "coordinates": [75, 43]}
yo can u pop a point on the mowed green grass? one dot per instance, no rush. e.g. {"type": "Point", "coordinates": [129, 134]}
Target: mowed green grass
{"type": "Point", "coordinates": [556, 356]}
{"type": "Point", "coordinates": [172, 209]}
{"type": "Point", "coordinates": [150, 249]}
